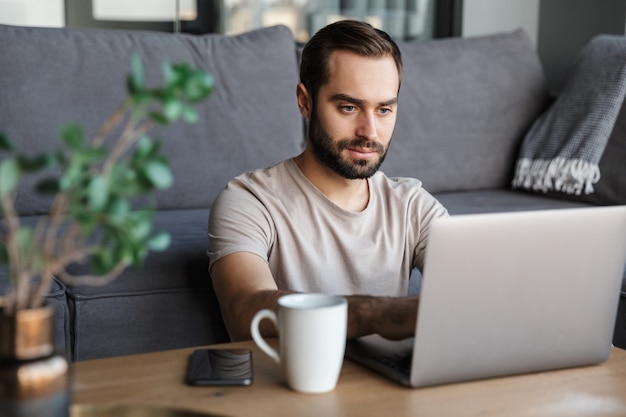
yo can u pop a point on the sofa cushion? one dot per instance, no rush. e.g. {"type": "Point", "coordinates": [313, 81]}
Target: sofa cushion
{"type": "Point", "coordinates": [62, 336]}
{"type": "Point", "coordinates": [464, 106]}
{"type": "Point", "coordinates": [611, 187]}
{"type": "Point", "coordinates": [51, 76]}
{"type": "Point", "coordinates": [500, 200]}
{"type": "Point", "coordinates": [168, 303]}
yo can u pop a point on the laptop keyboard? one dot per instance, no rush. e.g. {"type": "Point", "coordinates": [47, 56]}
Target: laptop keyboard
{"type": "Point", "coordinates": [401, 362]}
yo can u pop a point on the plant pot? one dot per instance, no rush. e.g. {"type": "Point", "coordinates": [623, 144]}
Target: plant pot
{"type": "Point", "coordinates": [34, 378]}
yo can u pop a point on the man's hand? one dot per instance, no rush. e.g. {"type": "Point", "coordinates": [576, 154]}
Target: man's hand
{"type": "Point", "coordinates": [244, 285]}
{"type": "Point", "coordinates": [391, 317]}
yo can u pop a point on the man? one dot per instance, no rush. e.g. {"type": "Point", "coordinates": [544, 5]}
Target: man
{"type": "Point", "coordinates": [328, 220]}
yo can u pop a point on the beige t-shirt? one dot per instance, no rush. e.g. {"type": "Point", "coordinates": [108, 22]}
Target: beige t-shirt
{"type": "Point", "coordinates": [313, 245]}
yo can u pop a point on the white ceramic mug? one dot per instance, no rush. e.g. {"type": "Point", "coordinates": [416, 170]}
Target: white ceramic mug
{"type": "Point", "coordinates": [312, 339]}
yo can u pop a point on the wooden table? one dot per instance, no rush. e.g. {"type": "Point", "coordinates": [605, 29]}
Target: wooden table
{"type": "Point", "coordinates": [157, 379]}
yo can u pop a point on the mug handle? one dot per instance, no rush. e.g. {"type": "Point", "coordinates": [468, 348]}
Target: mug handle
{"type": "Point", "coordinates": [256, 334]}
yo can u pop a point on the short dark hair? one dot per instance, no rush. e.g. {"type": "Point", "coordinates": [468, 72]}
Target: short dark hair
{"type": "Point", "coordinates": [348, 35]}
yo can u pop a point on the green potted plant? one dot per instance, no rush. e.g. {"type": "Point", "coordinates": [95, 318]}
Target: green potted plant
{"type": "Point", "coordinates": [93, 215]}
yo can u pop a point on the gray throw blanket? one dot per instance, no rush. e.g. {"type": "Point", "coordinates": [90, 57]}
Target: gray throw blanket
{"type": "Point", "coordinates": [562, 150]}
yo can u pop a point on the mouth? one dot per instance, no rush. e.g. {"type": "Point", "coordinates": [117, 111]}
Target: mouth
{"type": "Point", "coordinates": [362, 149]}
{"type": "Point", "coordinates": [362, 152]}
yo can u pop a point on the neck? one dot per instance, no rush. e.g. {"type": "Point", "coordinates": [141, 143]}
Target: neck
{"type": "Point", "coordinates": [350, 195]}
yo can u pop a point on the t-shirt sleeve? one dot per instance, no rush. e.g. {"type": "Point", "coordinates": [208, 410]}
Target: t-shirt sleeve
{"type": "Point", "coordinates": [427, 210]}
{"type": "Point", "coordinates": [238, 222]}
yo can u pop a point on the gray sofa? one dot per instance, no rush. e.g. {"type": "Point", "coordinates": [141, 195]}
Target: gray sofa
{"type": "Point", "coordinates": [465, 106]}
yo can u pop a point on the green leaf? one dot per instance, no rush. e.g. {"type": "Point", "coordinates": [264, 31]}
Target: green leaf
{"type": "Point", "coordinates": [91, 155]}
{"type": "Point", "coordinates": [124, 180]}
{"type": "Point", "coordinates": [58, 158]}
{"type": "Point", "coordinates": [144, 147]}
{"type": "Point", "coordinates": [73, 136]}
{"type": "Point", "coordinates": [132, 184]}
{"type": "Point", "coordinates": [99, 263]}
{"type": "Point", "coordinates": [136, 81]}
{"type": "Point", "coordinates": [172, 109]}
{"type": "Point", "coordinates": [119, 209]}
{"type": "Point", "coordinates": [104, 260]}
{"type": "Point", "coordinates": [48, 186]}
{"type": "Point", "coordinates": [141, 252]}
{"type": "Point", "coordinates": [76, 171]}
{"type": "Point", "coordinates": [6, 144]}
{"type": "Point", "coordinates": [25, 238]}
{"type": "Point", "coordinates": [98, 192]}
{"type": "Point", "coordinates": [198, 86]}
{"type": "Point", "coordinates": [140, 225]}
{"type": "Point", "coordinates": [160, 241]}
{"type": "Point", "coordinates": [190, 115]}
{"type": "Point", "coordinates": [10, 174]}
{"type": "Point", "coordinates": [159, 174]}
{"type": "Point", "coordinates": [88, 220]}
{"type": "Point", "coordinates": [34, 164]}
{"type": "Point", "coordinates": [72, 176]}
{"type": "Point", "coordinates": [4, 255]}
{"type": "Point", "coordinates": [142, 98]}
{"type": "Point", "coordinates": [159, 118]}
{"type": "Point", "coordinates": [170, 74]}
{"type": "Point", "coordinates": [124, 247]}
{"type": "Point", "coordinates": [180, 72]}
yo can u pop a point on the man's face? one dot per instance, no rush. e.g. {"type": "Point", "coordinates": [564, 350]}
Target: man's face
{"type": "Point", "coordinates": [351, 123]}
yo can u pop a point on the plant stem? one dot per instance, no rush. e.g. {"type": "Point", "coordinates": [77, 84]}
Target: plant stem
{"type": "Point", "coordinates": [131, 133]}
{"type": "Point", "coordinates": [92, 279]}
{"type": "Point", "coordinates": [109, 124]}
{"type": "Point", "coordinates": [12, 225]}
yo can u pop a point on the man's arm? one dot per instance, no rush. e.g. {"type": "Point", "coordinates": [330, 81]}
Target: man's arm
{"type": "Point", "coordinates": [244, 285]}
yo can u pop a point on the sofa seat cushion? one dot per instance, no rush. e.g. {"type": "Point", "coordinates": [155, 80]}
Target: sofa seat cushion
{"type": "Point", "coordinates": [169, 303]}
{"type": "Point", "coordinates": [500, 200]}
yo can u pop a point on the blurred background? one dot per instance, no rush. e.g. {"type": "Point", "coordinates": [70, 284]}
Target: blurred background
{"type": "Point", "coordinates": [557, 28]}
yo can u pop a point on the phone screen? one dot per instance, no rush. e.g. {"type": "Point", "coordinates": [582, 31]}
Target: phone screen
{"type": "Point", "coordinates": [220, 367]}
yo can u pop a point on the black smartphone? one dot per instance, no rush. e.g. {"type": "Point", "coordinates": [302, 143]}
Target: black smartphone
{"type": "Point", "coordinates": [220, 367]}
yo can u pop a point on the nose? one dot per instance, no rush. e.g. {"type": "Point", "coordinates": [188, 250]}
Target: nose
{"type": "Point", "coordinates": [367, 127]}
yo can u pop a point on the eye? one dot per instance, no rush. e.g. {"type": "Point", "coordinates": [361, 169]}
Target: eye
{"type": "Point", "coordinates": [384, 110]}
{"type": "Point", "coordinates": [348, 108]}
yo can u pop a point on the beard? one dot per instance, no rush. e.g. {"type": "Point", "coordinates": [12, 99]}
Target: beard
{"type": "Point", "coordinates": [328, 152]}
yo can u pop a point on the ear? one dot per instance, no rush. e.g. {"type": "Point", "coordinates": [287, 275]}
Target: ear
{"type": "Point", "coordinates": [304, 101]}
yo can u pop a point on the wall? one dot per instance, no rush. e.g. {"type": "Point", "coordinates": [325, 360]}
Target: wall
{"type": "Point", "coordinates": [481, 17]}
{"type": "Point", "coordinates": [48, 13]}
{"type": "Point", "coordinates": [51, 13]}
{"type": "Point", "coordinates": [565, 25]}
{"type": "Point", "coordinates": [558, 28]}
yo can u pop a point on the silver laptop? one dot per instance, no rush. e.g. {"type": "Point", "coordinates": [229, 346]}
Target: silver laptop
{"type": "Point", "coordinates": [510, 293]}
